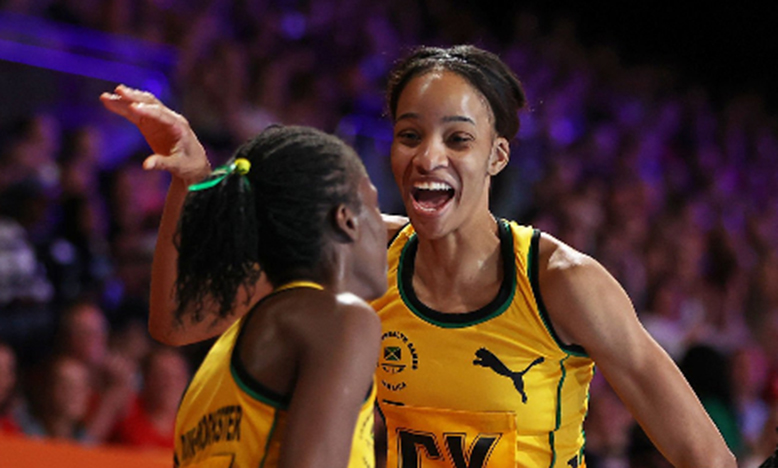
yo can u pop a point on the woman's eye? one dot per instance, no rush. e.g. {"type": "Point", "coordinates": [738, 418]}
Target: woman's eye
{"type": "Point", "coordinates": [460, 138]}
{"type": "Point", "coordinates": [407, 136]}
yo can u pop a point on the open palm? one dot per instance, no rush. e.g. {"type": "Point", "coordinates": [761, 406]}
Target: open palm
{"type": "Point", "coordinates": [175, 146]}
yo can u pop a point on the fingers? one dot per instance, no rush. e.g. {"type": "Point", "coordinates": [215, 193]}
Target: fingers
{"type": "Point", "coordinates": [175, 146]}
{"type": "Point", "coordinates": [155, 113]}
{"type": "Point", "coordinates": [156, 162]}
{"type": "Point", "coordinates": [136, 95]}
{"type": "Point", "coordinates": [189, 170]}
{"type": "Point", "coordinates": [117, 105]}
{"type": "Point", "coordinates": [133, 104]}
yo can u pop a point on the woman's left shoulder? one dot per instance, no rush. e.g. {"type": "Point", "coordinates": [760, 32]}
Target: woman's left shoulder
{"type": "Point", "coordinates": [393, 224]}
{"type": "Point", "coordinates": [557, 257]}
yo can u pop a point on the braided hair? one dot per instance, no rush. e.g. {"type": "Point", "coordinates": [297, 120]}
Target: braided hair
{"type": "Point", "coordinates": [273, 218]}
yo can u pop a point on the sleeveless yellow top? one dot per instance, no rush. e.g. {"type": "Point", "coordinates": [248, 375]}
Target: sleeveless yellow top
{"type": "Point", "coordinates": [490, 388]}
{"type": "Point", "coordinates": [229, 420]}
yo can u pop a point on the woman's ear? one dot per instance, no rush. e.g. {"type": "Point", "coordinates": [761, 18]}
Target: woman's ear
{"type": "Point", "coordinates": [501, 154]}
{"type": "Point", "coordinates": [345, 224]}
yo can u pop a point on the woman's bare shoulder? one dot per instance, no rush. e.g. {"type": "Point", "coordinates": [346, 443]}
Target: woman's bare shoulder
{"type": "Point", "coordinates": [393, 224]}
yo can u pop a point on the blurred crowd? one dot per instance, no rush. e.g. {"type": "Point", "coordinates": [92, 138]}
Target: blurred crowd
{"type": "Point", "coordinates": [674, 193]}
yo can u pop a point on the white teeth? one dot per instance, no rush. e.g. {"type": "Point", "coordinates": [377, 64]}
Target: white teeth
{"type": "Point", "coordinates": [432, 186]}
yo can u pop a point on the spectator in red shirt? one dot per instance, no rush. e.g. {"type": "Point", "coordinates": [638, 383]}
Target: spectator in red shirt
{"type": "Point", "coordinates": [150, 421]}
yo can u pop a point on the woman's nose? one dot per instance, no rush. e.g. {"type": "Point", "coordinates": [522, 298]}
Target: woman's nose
{"type": "Point", "coordinates": [431, 155]}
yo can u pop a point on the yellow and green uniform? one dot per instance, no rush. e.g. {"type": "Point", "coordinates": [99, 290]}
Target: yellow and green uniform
{"type": "Point", "coordinates": [229, 420]}
{"type": "Point", "coordinates": [489, 388]}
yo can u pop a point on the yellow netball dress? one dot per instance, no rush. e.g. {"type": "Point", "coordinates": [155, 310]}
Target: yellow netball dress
{"type": "Point", "coordinates": [229, 420]}
{"type": "Point", "coordinates": [490, 388]}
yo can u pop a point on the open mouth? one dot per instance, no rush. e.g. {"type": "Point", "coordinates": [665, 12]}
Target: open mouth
{"type": "Point", "coordinates": [431, 196]}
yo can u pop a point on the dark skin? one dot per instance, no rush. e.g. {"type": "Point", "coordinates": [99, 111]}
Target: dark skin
{"type": "Point", "coordinates": [322, 347]}
{"type": "Point", "coordinates": [311, 344]}
{"type": "Point", "coordinates": [444, 133]}
{"type": "Point", "coordinates": [319, 346]}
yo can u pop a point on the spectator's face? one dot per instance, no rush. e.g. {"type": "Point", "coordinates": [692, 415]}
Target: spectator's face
{"type": "Point", "coordinates": [7, 373]}
{"type": "Point", "coordinates": [70, 390]}
{"type": "Point", "coordinates": [132, 341]}
{"type": "Point", "coordinates": [443, 152]}
{"type": "Point", "coordinates": [87, 336]}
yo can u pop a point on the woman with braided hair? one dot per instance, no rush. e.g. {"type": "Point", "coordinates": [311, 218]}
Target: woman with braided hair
{"type": "Point", "coordinates": [290, 383]}
{"type": "Point", "coordinates": [490, 329]}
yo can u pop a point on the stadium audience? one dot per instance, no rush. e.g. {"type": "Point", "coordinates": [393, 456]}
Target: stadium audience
{"type": "Point", "coordinates": [150, 420]}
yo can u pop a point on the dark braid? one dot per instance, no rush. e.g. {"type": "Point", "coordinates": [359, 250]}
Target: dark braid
{"type": "Point", "coordinates": [273, 219]}
{"type": "Point", "coordinates": [482, 69]}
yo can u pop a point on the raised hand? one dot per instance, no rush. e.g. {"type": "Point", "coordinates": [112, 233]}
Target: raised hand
{"type": "Point", "coordinates": [176, 147]}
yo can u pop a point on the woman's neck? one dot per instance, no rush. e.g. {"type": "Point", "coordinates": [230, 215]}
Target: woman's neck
{"type": "Point", "coordinates": [461, 271]}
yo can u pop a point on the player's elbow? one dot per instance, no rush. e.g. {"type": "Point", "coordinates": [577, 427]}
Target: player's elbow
{"type": "Point", "coordinates": [718, 457]}
{"type": "Point", "coordinates": [163, 332]}
{"type": "Point", "coordinates": [726, 459]}
{"type": "Point", "coordinates": [164, 337]}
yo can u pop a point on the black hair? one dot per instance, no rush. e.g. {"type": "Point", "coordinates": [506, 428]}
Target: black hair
{"type": "Point", "coordinates": [482, 69]}
{"type": "Point", "coordinates": [272, 219]}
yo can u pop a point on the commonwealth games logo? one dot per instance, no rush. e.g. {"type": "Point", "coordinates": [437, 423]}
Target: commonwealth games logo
{"type": "Point", "coordinates": [392, 362]}
{"type": "Point", "coordinates": [398, 356]}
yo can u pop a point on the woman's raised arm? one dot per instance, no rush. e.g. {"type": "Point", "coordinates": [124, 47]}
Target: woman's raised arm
{"type": "Point", "coordinates": [176, 150]}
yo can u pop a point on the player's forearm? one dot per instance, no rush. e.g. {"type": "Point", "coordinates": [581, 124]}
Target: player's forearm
{"type": "Point", "coordinates": [164, 272]}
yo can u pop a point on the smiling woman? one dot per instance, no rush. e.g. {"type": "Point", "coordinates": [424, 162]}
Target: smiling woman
{"type": "Point", "coordinates": [444, 150]}
{"type": "Point", "coordinates": [500, 324]}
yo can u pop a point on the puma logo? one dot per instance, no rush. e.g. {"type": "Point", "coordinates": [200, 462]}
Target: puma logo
{"type": "Point", "coordinates": [485, 358]}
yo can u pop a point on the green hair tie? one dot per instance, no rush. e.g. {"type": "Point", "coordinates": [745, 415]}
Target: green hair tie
{"type": "Point", "coordinates": [240, 165]}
